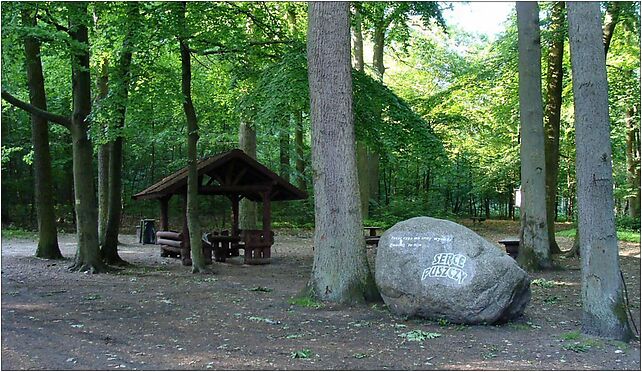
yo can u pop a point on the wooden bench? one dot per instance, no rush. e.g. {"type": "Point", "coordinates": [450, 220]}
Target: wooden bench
{"type": "Point", "coordinates": [511, 245]}
{"type": "Point", "coordinates": [174, 244]}
{"type": "Point", "coordinates": [257, 250]}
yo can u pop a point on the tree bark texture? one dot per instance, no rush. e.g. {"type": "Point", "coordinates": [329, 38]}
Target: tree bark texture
{"type": "Point", "coordinates": [611, 18]}
{"type": "Point", "coordinates": [534, 245]}
{"type": "Point", "coordinates": [363, 173]}
{"type": "Point", "coordinates": [121, 89]}
{"type": "Point", "coordinates": [88, 252]}
{"type": "Point", "coordinates": [43, 184]}
{"type": "Point", "coordinates": [603, 306]}
{"type": "Point", "coordinates": [247, 208]}
{"type": "Point", "coordinates": [193, 222]}
{"type": "Point", "coordinates": [340, 270]}
{"type": "Point", "coordinates": [552, 112]}
{"type": "Point", "coordinates": [103, 157]}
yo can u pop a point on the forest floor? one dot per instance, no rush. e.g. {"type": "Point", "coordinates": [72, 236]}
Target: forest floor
{"type": "Point", "coordinates": [156, 315]}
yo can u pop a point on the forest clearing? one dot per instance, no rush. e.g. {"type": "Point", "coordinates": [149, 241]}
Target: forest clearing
{"type": "Point", "coordinates": [157, 316]}
{"type": "Point", "coordinates": [326, 185]}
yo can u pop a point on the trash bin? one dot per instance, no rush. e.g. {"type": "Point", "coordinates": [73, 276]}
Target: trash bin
{"type": "Point", "coordinates": [147, 231]}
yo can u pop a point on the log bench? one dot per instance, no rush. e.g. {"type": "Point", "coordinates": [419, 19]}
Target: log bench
{"type": "Point", "coordinates": [175, 244]}
{"type": "Point", "coordinates": [257, 250]}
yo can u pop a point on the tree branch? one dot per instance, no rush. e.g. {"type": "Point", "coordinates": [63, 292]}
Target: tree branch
{"type": "Point", "coordinates": [50, 20]}
{"type": "Point", "coordinates": [58, 119]}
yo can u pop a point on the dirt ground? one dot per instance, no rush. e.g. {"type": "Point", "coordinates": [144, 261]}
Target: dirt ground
{"type": "Point", "coordinates": [158, 316]}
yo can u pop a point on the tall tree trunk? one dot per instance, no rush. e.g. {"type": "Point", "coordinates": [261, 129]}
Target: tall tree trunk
{"type": "Point", "coordinates": [193, 222]}
{"type": "Point", "coordinates": [43, 185]}
{"type": "Point", "coordinates": [88, 252]}
{"type": "Point", "coordinates": [633, 160]}
{"type": "Point", "coordinates": [534, 246]}
{"type": "Point", "coordinates": [298, 144]}
{"type": "Point", "coordinates": [377, 51]}
{"type": "Point", "coordinates": [611, 18]}
{"type": "Point", "coordinates": [247, 208]}
{"type": "Point", "coordinates": [604, 309]}
{"type": "Point", "coordinates": [552, 113]}
{"type": "Point", "coordinates": [340, 270]}
{"type": "Point", "coordinates": [103, 157]}
{"type": "Point", "coordinates": [363, 173]}
{"type": "Point", "coordinates": [109, 249]}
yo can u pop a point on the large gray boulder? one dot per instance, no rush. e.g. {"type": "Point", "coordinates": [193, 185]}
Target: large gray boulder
{"type": "Point", "coordinates": [437, 269]}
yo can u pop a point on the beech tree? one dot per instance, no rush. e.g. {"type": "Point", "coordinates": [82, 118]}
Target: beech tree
{"type": "Point", "coordinates": [604, 310]}
{"type": "Point", "coordinates": [552, 113]}
{"type": "Point", "coordinates": [43, 187]}
{"type": "Point", "coordinates": [193, 223]}
{"type": "Point", "coordinates": [340, 270]}
{"type": "Point", "coordinates": [87, 253]}
{"type": "Point", "coordinates": [534, 244]}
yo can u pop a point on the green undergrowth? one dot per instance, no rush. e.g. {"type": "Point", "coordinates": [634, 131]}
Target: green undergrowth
{"type": "Point", "coordinates": [17, 233]}
{"type": "Point", "coordinates": [305, 301]}
{"type": "Point", "coordinates": [622, 235]}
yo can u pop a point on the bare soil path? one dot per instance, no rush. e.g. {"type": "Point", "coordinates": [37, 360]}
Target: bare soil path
{"type": "Point", "coordinates": [156, 315]}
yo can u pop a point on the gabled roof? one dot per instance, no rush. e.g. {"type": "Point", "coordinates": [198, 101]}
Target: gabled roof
{"type": "Point", "coordinates": [228, 173]}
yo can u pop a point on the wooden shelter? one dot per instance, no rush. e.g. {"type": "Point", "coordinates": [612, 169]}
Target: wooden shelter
{"type": "Point", "coordinates": [235, 175]}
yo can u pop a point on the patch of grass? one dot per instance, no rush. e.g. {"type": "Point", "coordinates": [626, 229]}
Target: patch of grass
{"type": "Point", "coordinates": [91, 297]}
{"type": "Point", "coordinates": [577, 347]}
{"type": "Point", "coordinates": [461, 327]}
{"type": "Point", "coordinates": [541, 282]}
{"type": "Point", "coordinates": [293, 336]}
{"type": "Point", "coordinates": [622, 235]}
{"type": "Point", "coordinates": [551, 299]}
{"type": "Point", "coordinates": [628, 236]}
{"type": "Point", "coordinates": [418, 335]}
{"type": "Point", "coordinates": [17, 233]}
{"type": "Point", "coordinates": [443, 322]}
{"type": "Point", "coordinates": [361, 355]}
{"type": "Point", "coordinates": [570, 336]}
{"type": "Point", "coordinates": [305, 301]}
{"type": "Point", "coordinates": [301, 354]}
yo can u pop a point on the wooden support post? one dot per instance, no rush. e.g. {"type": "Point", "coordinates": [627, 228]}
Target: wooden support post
{"type": "Point", "coordinates": [186, 254]}
{"type": "Point", "coordinates": [164, 213]}
{"type": "Point", "coordinates": [267, 226]}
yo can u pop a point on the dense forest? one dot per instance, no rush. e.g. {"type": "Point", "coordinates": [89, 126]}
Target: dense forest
{"type": "Point", "coordinates": [436, 109]}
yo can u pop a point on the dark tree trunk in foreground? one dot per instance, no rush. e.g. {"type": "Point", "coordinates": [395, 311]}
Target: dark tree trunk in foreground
{"type": "Point", "coordinates": [193, 222]}
{"type": "Point", "coordinates": [43, 185]}
{"type": "Point", "coordinates": [247, 208]}
{"type": "Point", "coordinates": [340, 271]}
{"type": "Point", "coordinates": [109, 249]}
{"type": "Point", "coordinates": [603, 306]}
{"type": "Point", "coordinates": [611, 19]}
{"type": "Point", "coordinates": [534, 245]}
{"type": "Point", "coordinates": [552, 113]}
{"type": "Point", "coordinates": [88, 252]}
{"type": "Point", "coordinates": [363, 170]}
{"type": "Point", "coordinates": [103, 158]}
